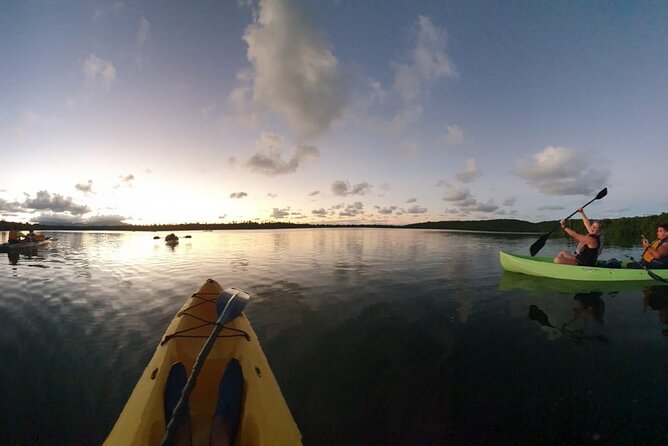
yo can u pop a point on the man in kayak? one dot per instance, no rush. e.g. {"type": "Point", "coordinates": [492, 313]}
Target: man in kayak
{"type": "Point", "coordinates": [655, 255]}
{"type": "Point", "coordinates": [590, 243]}
{"type": "Point", "coordinates": [32, 237]}
{"type": "Point", "coordinates": [15, 236]}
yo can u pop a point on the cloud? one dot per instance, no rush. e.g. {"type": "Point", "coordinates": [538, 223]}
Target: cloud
{"type": "Point", "coordinates": [49, 218]}
{"type": "Point", "coordinates": [10, 207]}
{"type": "Point", "coordinates": [270, 195]}
{"type": "Point", "coordinates": [141, 39]}
{"type": "Point", "coordinates": [86, 188]}
{"type": "Point", "coordinates": [427, 62]}
{"type": "Point", "coordinates": [294, 73]}
{"type": "Point", "coordinates": [44, 201]}
{"type": "Point", "coordinates": [280, 213]}
{"type": "Point", "coordinates": [416, 209]}
{"type": "Point", "coordinates": [470, 172]}
{"type": "Point", "coordinates": [268, 160]}
{"type": "Point", "coordinates": [343, 188]}
{"type": "Point", "coordinates": [411, 200]}
{"type": "Point", "coordinates": [238, 195]}
{"type": "Point", "coordinates": [108, 8]}
{"type": "Point", "coordinates": [319, 212]}
{"type": "Point", "coordinates": [562, 171]}
{"type": "Point", "coordinates": [352, 210]}
{"type": "Point", "coordinates": [510, 201]}
{"type": "Point", "coordinates": [106, 220]}
{"type": "Point", "coordinates": [125, 180]}
{"type": "Point", "coordinates": [453, 135]}
{"type": "Point", "coordinates": [99, 73]}
{"type": "Point", "coordinates": [386, 210]}
{"type": "Point", "coordinates": [314, 193]}
{"type": "Point", "coordinates": [456, 194]}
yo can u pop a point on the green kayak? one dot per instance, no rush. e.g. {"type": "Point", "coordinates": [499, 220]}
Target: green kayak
{"type": "Point", "coordinates": [545, 267]}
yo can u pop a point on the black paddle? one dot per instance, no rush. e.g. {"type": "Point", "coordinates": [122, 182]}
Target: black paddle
{"type": "Point", "coordinates": [538, 244]}
{"type": "Point", "coordinates": [651, 273]}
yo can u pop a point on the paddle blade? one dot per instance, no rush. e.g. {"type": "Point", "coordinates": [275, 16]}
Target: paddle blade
{"type": "Point", "coordinates": [236, 307]}
{"type": "Point", "coordinates": [538, 245]}
{"type": "Point", "coordinates": [602, 194]}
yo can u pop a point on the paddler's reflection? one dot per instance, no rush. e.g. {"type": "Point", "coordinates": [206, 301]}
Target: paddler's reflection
{"type": "Point", "coordinates": [656, 298]}
{"type": "Point", "coordinates": [13, 257]}
{"type": "Point", "coordinates": [592, 306]}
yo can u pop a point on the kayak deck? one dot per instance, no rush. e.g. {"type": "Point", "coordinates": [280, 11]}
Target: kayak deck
{"type": "Point", "coordinates": [545, 267]}
{"type": "Point", "coordinates": [265, 417]}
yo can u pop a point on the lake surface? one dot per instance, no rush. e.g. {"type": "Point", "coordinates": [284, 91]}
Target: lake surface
{"type": "Point", "coordinates": [376, 336]}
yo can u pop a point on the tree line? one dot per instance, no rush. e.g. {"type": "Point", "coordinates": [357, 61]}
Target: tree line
{"type": "Point", "coordinates": [623, 231]}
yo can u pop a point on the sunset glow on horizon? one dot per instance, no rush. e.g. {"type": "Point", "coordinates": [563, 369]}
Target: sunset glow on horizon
{"type": "Point", "coordinates": [330, 112]}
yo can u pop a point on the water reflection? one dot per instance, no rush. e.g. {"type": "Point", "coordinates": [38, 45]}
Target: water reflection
{"type": "Point", "coordinates": [590, 309]}
{"type": "Point", "coordinates": [655, 298]}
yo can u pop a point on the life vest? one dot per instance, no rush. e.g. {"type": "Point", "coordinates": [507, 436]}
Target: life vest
{"type": "Point", "coordinates": [588, 256]}
{"type": "Point", "coordinates": [647, 257]}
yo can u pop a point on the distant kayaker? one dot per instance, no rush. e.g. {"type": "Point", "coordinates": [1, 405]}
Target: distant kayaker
{"type": "Point", "coordinates": [590, 244]}
{"type": "Point", "coordinates": [32, 237]}
{"type": "Point", "coordinates": [15, 236]}
{"type": "Point", "coordinates": [655, 255]}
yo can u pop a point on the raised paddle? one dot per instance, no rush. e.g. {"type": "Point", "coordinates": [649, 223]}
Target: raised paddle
{"type": "Point", "coordinates": [538, 244]}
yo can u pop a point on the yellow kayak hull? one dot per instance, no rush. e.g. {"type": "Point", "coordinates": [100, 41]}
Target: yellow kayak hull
{"type": "Point", "coordinates": [265, 417]}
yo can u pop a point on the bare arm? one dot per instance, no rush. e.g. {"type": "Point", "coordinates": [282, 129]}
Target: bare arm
{"type": "Point", "coordinates": [584, 239]}
{"type": "Point", "coordinates": [585, 220]}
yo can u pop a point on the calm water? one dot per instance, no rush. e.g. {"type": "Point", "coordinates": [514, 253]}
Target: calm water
{"type": "Point", "coordinates": [375, 336]}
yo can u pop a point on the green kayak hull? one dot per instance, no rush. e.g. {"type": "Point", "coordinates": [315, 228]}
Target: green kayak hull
{"type": "Point", "coordinates": [545, 267]}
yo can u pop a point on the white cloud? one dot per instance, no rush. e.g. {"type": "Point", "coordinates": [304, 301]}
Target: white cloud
{"type": "Point", "coordinates": [427, 62]}
{"type": "Point", "coordinates": [294, 73]}
{"type": "Point", "coordinates": [453, 135]}
{"type": "Point", "coordinates": [141, 39]}
{"type": "Point", "coordinates": [470, 172]}
{"type": "Point", "coordinates": [562, 171]}
{"type": "Point", "coordinates": [456, 194]}
{"type": "Point", "coordinates": [99, 73]}
{"type": "Point", "coordinates": [268, 159]}
{"type": "Point", "coordinates": [343, 188]}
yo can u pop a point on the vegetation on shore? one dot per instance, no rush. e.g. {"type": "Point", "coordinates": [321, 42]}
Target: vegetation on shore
{"type": "Point", "coordinates": [618, 231]}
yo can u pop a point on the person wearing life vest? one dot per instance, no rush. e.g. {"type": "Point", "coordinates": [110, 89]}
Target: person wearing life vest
{"type": "Point", "coordinates": [655, 255]}
{"type": "Point", "coordinates": [590, 244]}
{"type": "Point", "coordinates": [32, 237]}
{"type": "Point", "coordinates": [15, 236]}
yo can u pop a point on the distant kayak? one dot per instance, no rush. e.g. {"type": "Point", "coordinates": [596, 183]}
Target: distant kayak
{"type": "Point", "coordinates": [22, 245]}
{"type": "Point", "coordinates": [264, 415]}
{"type": "Point", "coordinates": [545, 267]}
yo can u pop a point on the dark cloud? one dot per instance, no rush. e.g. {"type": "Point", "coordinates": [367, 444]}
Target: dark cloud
{"type": "Point", "coordinates": [319, 212]}
{"type": "Point", "coordinates": [411, 200]}
{"type": "Point", "coordinates": [280, 213]}
{"type": "Point", "coordinates": [238, 195]}
{"type": "Point", "coordinates": [343, 188]}
{"type": "Point", "coordinates": [44, 201]}
{"type": "Point", "coordinates": [416, 209]}
{"type": "Point", "coordinates": [314, 193]}
{"type": "Point", "coordinates": [86, 188]}
{"type": "Point", "coordinates": [510, 201]}
{"type": "Point", "coordinates": [550, 208]}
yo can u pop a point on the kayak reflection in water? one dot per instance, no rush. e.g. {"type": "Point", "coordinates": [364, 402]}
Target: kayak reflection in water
{"type": "Point", "coordinates": [592, 306]}
{"type": "Point", "coordinates": [656, 298]}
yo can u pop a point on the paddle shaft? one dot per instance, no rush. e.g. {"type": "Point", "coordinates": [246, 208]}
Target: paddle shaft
{"type": "Point", "coordinates": [538, 244]}
{"type": "Point", "coordinates": [199, 362]}
{"type": "Point", "coordinates": [651, 273]}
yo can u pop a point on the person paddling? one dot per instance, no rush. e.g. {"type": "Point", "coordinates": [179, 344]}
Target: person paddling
{"type": "Point", "coordinates": [590, 244]}
{"type": "Point", "coordinates": [15, 236]}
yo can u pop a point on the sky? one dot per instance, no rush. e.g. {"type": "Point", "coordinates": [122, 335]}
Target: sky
{"type": "Point", "coordinates": [331, 111]}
